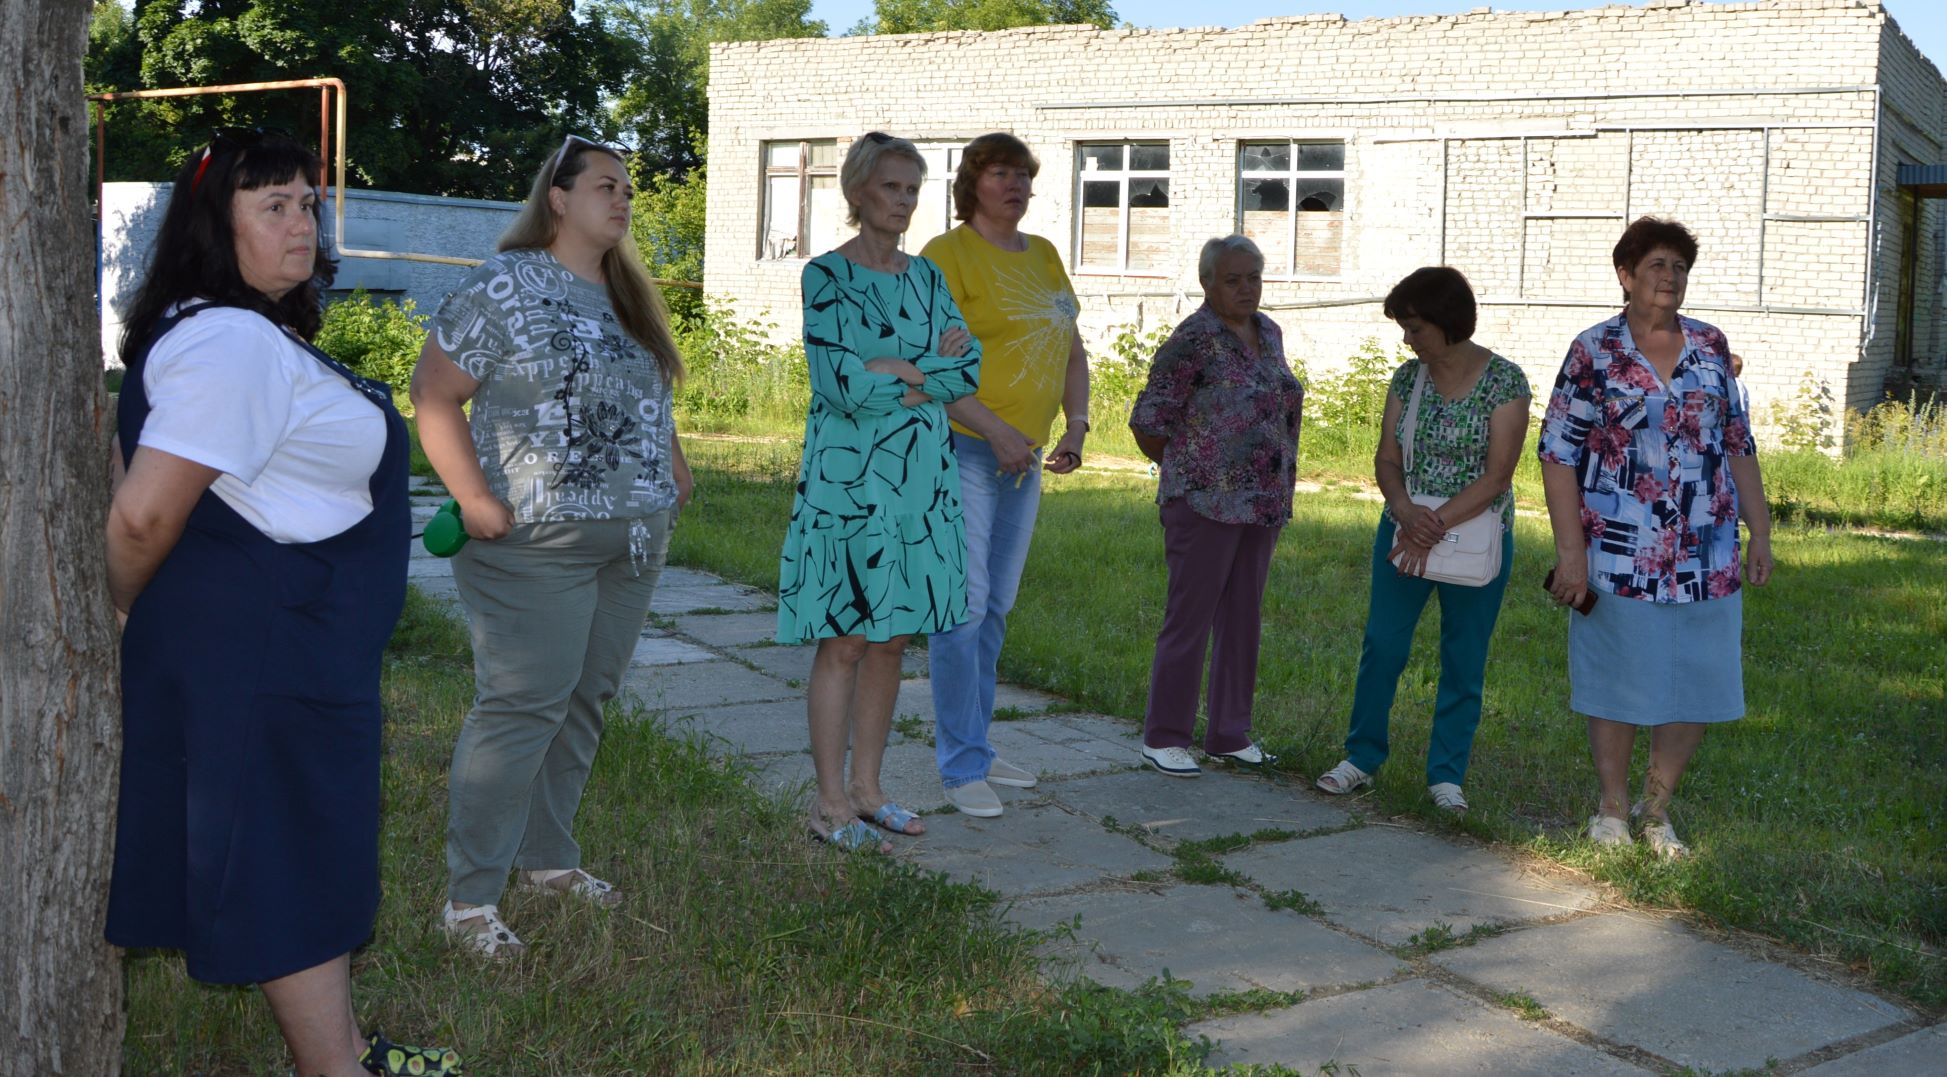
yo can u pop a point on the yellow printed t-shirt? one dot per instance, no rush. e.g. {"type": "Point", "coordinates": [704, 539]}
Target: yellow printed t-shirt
{"type": "Point", "coordinates": [1021, 307]}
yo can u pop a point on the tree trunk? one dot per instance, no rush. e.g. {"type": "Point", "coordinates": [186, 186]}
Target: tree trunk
{"type": "Point", "coordinates": [60, 704]}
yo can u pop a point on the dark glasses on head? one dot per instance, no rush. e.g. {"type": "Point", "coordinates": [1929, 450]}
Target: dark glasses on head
{"type": "Point", "coordinates": [561, 155]}
{"type": "Point", "coordinates": [227, 140]}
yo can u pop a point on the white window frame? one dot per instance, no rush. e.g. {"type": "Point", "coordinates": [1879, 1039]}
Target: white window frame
{"type": "Point", "coordinates": [1122, 177]}
{"type": "Point", "coordinates": [1292, 176]}
{"type": "Point", "coordinates": [804, 172]}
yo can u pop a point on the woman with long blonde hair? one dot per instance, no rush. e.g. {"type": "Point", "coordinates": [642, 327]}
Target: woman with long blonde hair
{"type": "Point", "coordinates": [568, 475]}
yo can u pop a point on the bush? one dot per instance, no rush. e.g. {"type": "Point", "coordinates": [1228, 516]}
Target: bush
{"type": "Point", "coordinates": [1343, 411]}
{"type": "Point", "coordinates": [378, 340]}
{"type": "Point", "coordinates": [737, 376]}
{"type": "Point", "coordinates": [1804, 422]}
{"type": "Point", "coordinates": [1911, 426]}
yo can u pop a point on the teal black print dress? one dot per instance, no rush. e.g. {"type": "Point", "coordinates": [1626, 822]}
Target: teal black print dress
{"type": "Point", "coordinates": [876, 547]}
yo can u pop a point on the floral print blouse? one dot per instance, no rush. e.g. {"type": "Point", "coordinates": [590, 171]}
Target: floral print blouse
{"type": "Point", "coordinates": [1231, 417]}
{"type": "Point", "coordinates": [1659, 506]}
{"type": "Point", "coordinates": [1450, 443]}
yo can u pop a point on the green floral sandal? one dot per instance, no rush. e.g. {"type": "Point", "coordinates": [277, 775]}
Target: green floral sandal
{"type": "Point", "coordinates": [389, 1059]}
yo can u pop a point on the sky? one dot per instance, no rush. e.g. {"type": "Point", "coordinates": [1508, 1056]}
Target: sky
{"type": "Point", "coordinates": [1925, 21]}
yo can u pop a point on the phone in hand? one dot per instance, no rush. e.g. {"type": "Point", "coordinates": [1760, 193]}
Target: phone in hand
{"type": "Point", "coordinates": [1588, 594]}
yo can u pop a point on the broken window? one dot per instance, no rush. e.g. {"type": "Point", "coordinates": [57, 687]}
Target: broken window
{"type": "Point", "coordinates": [1124, 223]}
{"type": "Point", "coordinates": [1291, 202]}
{"type": "Point", "coordinates": [804, 212]}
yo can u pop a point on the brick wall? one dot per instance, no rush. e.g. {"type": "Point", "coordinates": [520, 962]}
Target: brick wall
{"type": "Point", "coordinates": [1511, 145]}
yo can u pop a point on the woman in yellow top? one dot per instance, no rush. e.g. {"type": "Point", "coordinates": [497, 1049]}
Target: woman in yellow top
{"type": "Point", "coordinates": [1021, 307]}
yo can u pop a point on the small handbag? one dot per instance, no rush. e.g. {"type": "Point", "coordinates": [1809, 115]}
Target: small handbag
{"type": "Point", "coordinates": [1469, 553]}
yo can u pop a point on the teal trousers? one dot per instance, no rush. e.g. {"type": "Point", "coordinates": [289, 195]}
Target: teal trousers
{"type": "Point", "coordinates": [1467, 616]}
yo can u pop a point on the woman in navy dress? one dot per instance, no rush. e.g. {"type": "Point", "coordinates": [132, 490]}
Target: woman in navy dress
{"type": "Point", "coordinates": [256, 554]}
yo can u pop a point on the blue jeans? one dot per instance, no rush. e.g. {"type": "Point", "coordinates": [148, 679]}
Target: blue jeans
{"type": "Point", "coordinates": [1467, 616]}
{"type": "Point", "coordinates": [1000, 522]}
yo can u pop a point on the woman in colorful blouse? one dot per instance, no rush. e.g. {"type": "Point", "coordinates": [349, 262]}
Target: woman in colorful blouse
{"type": "Point", "coordinates": [1020, 305]}
{"type": "Point", "coordinates": [1220, 416]}
{"type": "Point", "coordinates": [1647, 461]}
{"type": "Point", "coordinates": [1473, 417]}
{"type": "Point", "coordinates": [876, 549]}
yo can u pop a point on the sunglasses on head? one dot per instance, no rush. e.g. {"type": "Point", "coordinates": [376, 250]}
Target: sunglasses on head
{"type": "Point", "coordinates": [561, 155]}
{"type": "Point", "coordinates": [229, 140]}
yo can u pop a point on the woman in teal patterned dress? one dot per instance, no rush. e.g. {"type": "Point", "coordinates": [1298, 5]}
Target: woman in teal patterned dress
{"type": "Point", "coordinates": [1473, 418]}
{"type": "Point", "coordinates": [877, 549]}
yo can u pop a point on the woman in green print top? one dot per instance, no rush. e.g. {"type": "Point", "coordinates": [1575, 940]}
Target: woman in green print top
{"type": "Point", "coordinates": [1473, 418]}
{"type": "Point", "coordinates": [876, 549]}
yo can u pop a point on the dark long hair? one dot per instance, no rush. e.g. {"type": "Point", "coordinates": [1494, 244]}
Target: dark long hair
{"type": "Point", "coordinates": [195, 255]}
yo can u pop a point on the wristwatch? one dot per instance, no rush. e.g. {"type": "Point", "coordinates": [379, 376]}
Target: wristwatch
{"type": "Point", "coordinates": [1081, 421]}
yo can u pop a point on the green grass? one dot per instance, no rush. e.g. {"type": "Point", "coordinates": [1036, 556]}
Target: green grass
{"type": "Point", "coordinates": [1817, 820]}
{"type": "Point", "coordinates": [743, 947]}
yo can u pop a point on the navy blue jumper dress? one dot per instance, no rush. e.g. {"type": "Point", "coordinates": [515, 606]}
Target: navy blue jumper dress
{"type": "Point", "coordinates": [248, 829]}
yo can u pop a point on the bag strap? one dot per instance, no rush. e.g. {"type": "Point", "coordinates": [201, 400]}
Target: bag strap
{"type": "Point", "coordinates": [1412, 424]}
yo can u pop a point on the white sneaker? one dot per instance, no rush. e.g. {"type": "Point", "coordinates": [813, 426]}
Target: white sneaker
{"type": "Point", "coordinates": [976, 799]}
{"type": "Point", "coordinates": [1175, 762]}
{"type": "Point", "coordinates": [1002, 772]}
{"type": "Point", "coordinates": [585, 886]}
{"type": "Point", "coordinates": [481, 928]}
{"type": "Point", "coordinates": [1609, 830]}
{"type": "Point", "coordinates": [1250, 755]}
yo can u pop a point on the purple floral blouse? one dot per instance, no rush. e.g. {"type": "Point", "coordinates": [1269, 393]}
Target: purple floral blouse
{"type": "Point", "coordinates": [1231, 417]}
{"type": "Point", "coordinates": [1659, 506]}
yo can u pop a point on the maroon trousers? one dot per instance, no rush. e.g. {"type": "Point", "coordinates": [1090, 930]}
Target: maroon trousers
{"type": "Point", "coordinates": [1216, 596]}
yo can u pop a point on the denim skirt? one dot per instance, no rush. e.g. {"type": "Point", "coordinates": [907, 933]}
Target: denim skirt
{"type": "Point", "coordinates": [1650, 663]}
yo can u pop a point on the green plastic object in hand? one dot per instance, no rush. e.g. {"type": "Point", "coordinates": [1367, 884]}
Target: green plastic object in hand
{"type": "Point", "coordinates": [444, 534]}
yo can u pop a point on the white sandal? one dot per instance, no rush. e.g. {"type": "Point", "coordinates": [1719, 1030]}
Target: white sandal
{"type": "Point", "coordinates": [1608, 830]}
{"type": "Point", "coordinates": [1343, 779]}
{"type": "Point", "coordinates": [1447, 797]}
{"type": "Point", "coordinates": [1659, 835]}
{"type": "Point", "coordinates": [587, 887]}
{"type": "Point", "coordinates": [490, 936]}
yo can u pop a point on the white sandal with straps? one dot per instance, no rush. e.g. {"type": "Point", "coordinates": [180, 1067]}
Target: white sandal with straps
{"type": "Point", "coordinates": [491, 937]}
{"type": "Point", "coordinates": [585, 886]}
{"type": "Point", "coordinates": [1343, 779]}
{"type": "Point", "coordinates": [1447, 797]}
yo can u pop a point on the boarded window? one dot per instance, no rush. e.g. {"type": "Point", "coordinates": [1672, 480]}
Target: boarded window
{"type": "Point", "coordinates": [804, 213]}
{"type": "Point", "coordinates": [1291, 202]}
{"type": "Point", "coordinates": [1124, 195]}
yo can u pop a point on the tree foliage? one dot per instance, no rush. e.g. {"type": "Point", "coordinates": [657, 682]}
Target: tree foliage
{"type": "Point", "coordinates": [664, 107]}
{"type": "Point", "coordinates": [924, 16]}
{"type": "Point", "coordinates": [461, 97]}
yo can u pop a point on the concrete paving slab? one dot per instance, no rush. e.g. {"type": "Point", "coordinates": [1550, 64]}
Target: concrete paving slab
{"type": "Point", "coordinates": [784, 663]}
{"type": "Point", "coordinates": [1187, 810]}
{"type": "Point", "coordinates": [1412, 1028]}
{"type": "Point", "coordinates": [661, 650]}
{"type": "Point", "coordinates": [1654, 983]}
{"type": "Point", "coordinates": [752, 728]}
{"type": "Point", "coordinates": [685, 590]}
{"type": "Point", "coordinates": [1035, 848]}
{"type": "Point", "coordinates": [727, 629]}
{"type": "Point", "coordinates": [907, 776]}
{"type": "Point", "coordinates": [1387, 883]}
{"type": "Point", "coordinates": [1115, 752]}
{"type": "Point", "coordinates": [680, 689]}
{"type": "Point", "coordinates": [1025, 743]}
{"type": "Point", "coordinates": [1216, 937]}
{"type": "Point", "coordinates": [419, 568]}
{"type": "Point", "coordinates": [440, 587]}
{"type": "Point", "coordinates": [1924, 1051]}
{"type": "Point", "coordinates": [916, 697]}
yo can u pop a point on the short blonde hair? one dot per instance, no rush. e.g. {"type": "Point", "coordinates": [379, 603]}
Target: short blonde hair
{"type": "Point", "coordinates": [863, 158]}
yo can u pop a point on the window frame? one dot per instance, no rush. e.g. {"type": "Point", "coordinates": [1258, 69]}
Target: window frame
{"type": "Point", "coordinates": [804, 173]}
{"type": "Point", "coordinates": [1122, 176]}
{"type": "Point", "coordinates": [1292, 176]}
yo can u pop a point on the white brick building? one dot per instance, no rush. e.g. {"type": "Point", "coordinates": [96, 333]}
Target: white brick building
{"type": "Point", "coordinates": [1512, 145]}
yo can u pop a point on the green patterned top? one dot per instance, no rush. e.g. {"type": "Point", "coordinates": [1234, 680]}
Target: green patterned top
{"type": "Point", "coordinates": [1450, 446]}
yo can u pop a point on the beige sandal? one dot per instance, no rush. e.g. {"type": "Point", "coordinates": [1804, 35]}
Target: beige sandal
{"type": "Point", "coordinates": [481, 928]}
{"type": "Point", "coordinates": [583, 885]}
{"type": "Point", "coordinates": [1343, 779]}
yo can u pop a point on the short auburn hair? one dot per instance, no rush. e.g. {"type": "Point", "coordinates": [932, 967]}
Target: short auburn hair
{"type": "Point", "coordinates": [1646, 234]}
{"type": "Point", "coordinates": [997, 148]}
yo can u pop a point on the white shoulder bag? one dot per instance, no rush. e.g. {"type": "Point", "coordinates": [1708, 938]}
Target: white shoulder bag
{"type": "Point", "coordinates": [1470, 553]}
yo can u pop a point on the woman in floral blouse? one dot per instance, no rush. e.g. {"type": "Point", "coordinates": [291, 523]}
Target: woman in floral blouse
{"type": "Point", "coordinates": [1647, 461]}
{"type": "Point", "coordinates": [1473, 417]}
{"type": "Point", "coordinates": [1220, 416]}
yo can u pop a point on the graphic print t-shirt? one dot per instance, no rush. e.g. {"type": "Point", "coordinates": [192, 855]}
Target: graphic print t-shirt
{"type": "Point", "coordinates": [572, 420]}
{"type": "Point", "coordinates": [1021, 307]}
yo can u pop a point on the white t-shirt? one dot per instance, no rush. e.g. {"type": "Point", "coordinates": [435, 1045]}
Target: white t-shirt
{"type": "Point", "coordinates": [297, 445]}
